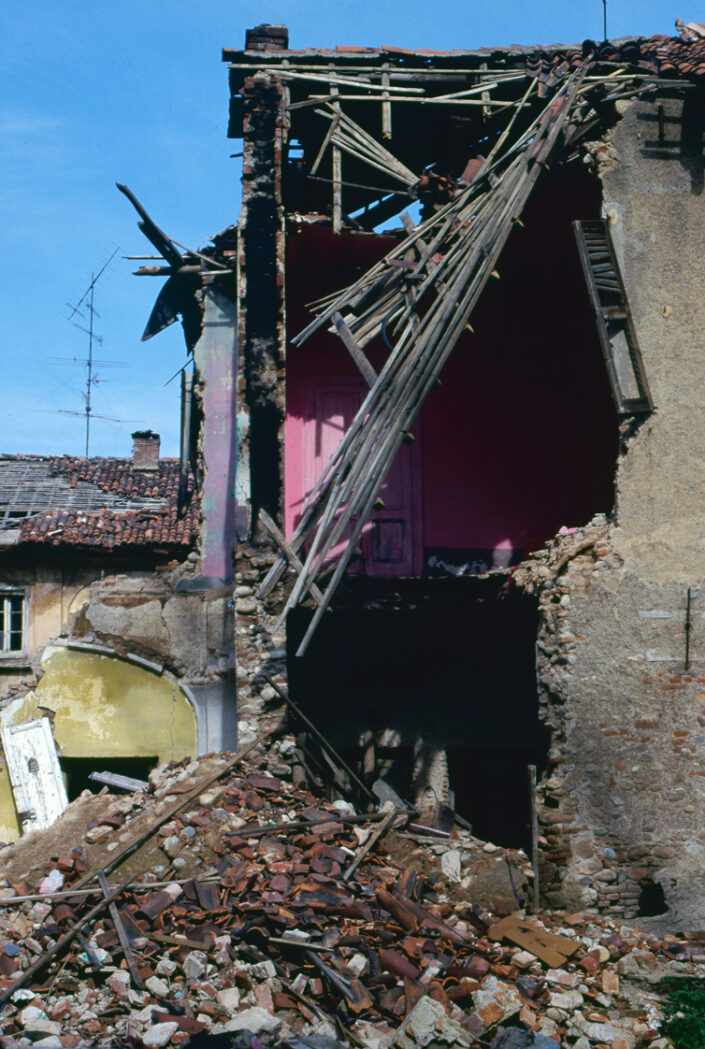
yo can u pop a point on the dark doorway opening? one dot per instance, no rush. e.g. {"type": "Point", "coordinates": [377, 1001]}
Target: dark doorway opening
{"type": "Point", "coordinates": [454, 668]}
{"type": "Point", "coordinates": [77, 771]}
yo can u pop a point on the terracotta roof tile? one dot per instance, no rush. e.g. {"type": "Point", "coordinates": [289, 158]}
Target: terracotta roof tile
{"type": "Point", "coordinates": [665, 55]}
{"type": "Point", "coordinates": [156, 524]}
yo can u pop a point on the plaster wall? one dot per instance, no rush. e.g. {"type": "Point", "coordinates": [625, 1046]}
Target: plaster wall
{"type": "Point", "coordinates": [216, 362]}
{"type": "Point", "coordinates": [622, 679]}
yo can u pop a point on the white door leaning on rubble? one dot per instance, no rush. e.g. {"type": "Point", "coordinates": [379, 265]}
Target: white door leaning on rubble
{"type": "Point", "coordinates": [35, 775]}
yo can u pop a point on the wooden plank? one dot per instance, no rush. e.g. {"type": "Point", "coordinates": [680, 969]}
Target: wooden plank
{"type": "Point", "coordinates": [278, 537]}
{"type": "Point", "coordinates": [386, 104]}
{"type": "Point", "coordinates": [337, 169]}
{"type": "Point", "coordinates": [114, 779]}
{"type": "Point", "coordinates": [121, 934]}
{"type": "Point", "coordinates": [324, 146]}
{"type": "Point", "coordinates": [550, 949]}
{"type": "Point", "coordinates": [534, 837]}
{"type": "Point", "coordinates": [366, 369]}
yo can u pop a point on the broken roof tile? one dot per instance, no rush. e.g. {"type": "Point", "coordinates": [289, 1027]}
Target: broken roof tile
{"type": "Point", "coordinates": [97, 503]}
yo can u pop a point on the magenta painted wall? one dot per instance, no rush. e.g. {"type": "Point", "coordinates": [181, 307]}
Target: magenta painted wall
{"type": "Point", "coordinates": [521, 437]}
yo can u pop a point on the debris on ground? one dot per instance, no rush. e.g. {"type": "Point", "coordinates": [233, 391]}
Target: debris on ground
{"type": "Point", "coordinates": [253, 915]}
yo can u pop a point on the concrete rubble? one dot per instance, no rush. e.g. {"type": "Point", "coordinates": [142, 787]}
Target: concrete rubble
{"type": "Point", "coordinates": [245, 929]}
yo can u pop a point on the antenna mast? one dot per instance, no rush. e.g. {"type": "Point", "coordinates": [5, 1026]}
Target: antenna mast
{"type": "Point", "coordinates": [89, 371]}
{"type": "Point", "coordinates": [89, 294]}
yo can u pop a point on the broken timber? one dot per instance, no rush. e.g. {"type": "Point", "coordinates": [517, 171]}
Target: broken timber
{"type": "Point", "coordinates": [76, 929]}
{"type": "Point", "coordinates": [552, 950]}
{"type": "Point", "coordinates": [457, 250]}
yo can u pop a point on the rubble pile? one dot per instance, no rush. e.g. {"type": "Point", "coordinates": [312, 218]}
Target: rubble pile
{"type": "Point", "coordinates": [266, 912]}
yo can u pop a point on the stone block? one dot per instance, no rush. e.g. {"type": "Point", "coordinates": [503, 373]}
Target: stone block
{"type": "Point", "coordinates": [256, 1020]}
{"type": "Point", "coordinates": [428, 1025]}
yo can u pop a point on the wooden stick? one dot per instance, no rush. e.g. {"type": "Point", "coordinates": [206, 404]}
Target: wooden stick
{"type": "Point", "coordinates": [337, 171]}
{"type": "Point", "coordinates": [321, 738]}
{"type": "Point", "coordinates": [370, 844]}
{"type": "Point", "coordinates": [386, 104]}
{"type": "Point", "coordinates": [121, 934]}
{"type": "Point", "coordinates": [534, 838]}
{"type": "Point", "coordinates": [281, 542]}
{"type": "Point", "coordinates": [294, 826]}
{"type": "Point", "coordinates": [338, 81]}
{"type": "Point", "coordinates": [366, 369]}
{"type": "Point", "coordinates": [324, 147]}
{"type": "Point", "coordinates": [92, 890]}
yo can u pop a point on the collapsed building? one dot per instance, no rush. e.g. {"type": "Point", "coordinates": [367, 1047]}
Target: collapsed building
{"type": "Point", "coordinates": [443, 412]}
{"type": "Point", "coordinates": [469, 437]}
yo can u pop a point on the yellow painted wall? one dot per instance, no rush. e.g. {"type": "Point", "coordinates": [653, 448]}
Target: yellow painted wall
{"type": "Point", "coordinates": [105, 708]}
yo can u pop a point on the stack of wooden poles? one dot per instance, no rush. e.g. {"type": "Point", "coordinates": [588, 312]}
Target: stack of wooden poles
{"type": "Point", "coordinates": [419, 298]}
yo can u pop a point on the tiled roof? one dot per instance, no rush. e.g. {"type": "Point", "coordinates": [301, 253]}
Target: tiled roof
{"type": "Point", "coordinates": [682, 56]}
{"type": "Point", "coordinates": [95, 503]}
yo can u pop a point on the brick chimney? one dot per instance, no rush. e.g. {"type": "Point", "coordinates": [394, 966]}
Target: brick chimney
{"type": "Point", "coordinates": [267, 37]}
{"type": "Point", "coordinates": [145, 450]}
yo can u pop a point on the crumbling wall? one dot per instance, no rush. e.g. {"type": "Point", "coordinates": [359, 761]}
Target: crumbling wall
{"type": "Point", "coordinates": [262, 317]}
{"type": "Point", "coordinates": [261, 398]}
{"type": "Point", "coordinates": [622, 647]}
{"type": "Point", "coordinates": [145, 614]}
{"type": "Point", "coordinates": [260, 651]}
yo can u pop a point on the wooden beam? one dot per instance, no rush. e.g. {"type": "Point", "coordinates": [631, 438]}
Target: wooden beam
{"type": "Point", "coordinates": [337, 171]}
{"type": "Point", "coordinates": [346, 336]}
{"type": "Point", "coordinates": [386, 105]}
{"type": "Point", "coordinates": [278, 537]}
{"type": "Point", "coordinates": [121, 934]}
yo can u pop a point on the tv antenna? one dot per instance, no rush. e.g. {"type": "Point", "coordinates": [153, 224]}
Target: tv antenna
{"type": "Point", "coordinates": [87, 301]}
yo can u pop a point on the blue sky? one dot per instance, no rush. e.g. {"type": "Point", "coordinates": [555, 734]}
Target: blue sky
{"type": "Point", "coordinates": [93, 93]}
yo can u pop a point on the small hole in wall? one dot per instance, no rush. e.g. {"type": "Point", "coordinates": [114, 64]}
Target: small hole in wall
{"type": "Point", "coordinates": [652, 900]}
{"type": "Point", "coordinates": [78, 770]}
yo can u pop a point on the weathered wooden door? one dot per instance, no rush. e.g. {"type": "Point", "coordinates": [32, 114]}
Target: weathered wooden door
{"type": "Point", "coordinates": [37, 784]}
{"type": "Point", "coordinates": [392, 543]}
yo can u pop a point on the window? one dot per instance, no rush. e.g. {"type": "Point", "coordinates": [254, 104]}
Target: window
{"type": "Point", "coordinates": [12, 621]}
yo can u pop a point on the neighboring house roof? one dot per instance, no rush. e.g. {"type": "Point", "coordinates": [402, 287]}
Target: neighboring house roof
{"type": "Point", "coordinates": [96, 503]}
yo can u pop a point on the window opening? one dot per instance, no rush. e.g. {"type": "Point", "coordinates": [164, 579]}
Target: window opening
{"type": "Point", "coordinates": [12, 606]}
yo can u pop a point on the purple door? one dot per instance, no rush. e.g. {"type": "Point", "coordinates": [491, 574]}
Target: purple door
{"type": "Point", "coordinates": [391, 540]}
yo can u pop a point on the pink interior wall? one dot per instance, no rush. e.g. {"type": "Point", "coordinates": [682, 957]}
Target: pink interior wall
{"type": "Point", "coordinates": [521, 437]}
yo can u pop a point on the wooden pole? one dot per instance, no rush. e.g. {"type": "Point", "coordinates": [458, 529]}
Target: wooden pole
{"type": "Point", "coordinates": [321, 738]}
{"type": "Point", "coordinates": [534, 838]}
{"type": "Point", "coordinates": [337, 172]}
